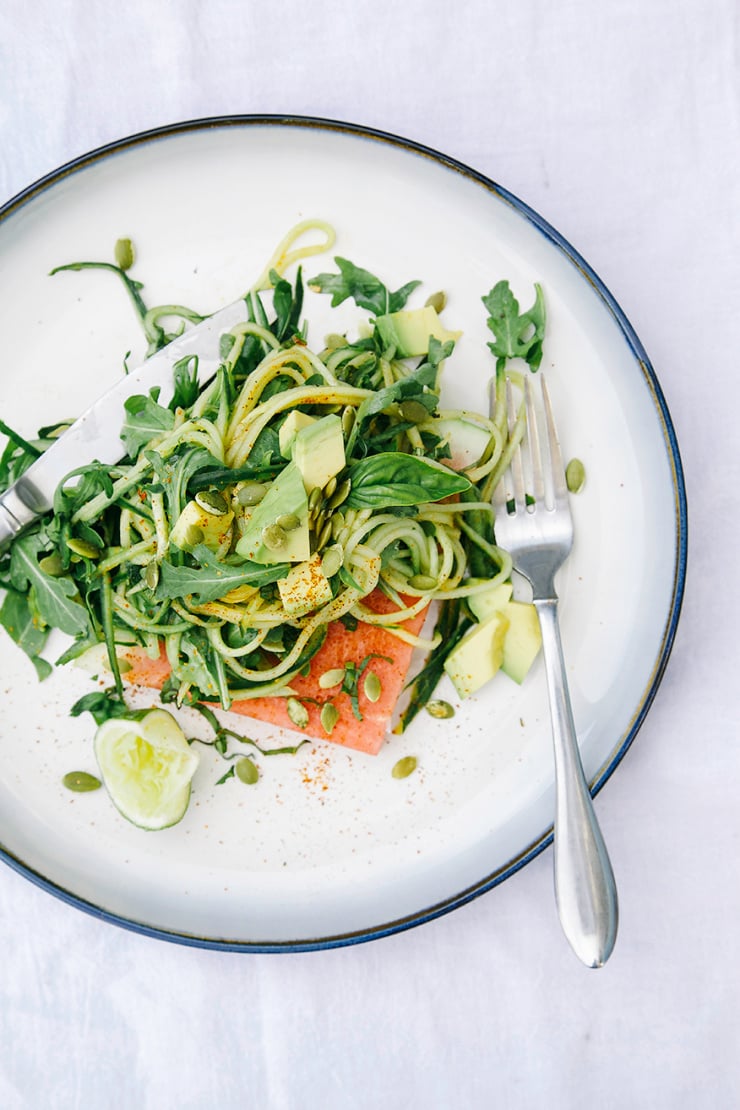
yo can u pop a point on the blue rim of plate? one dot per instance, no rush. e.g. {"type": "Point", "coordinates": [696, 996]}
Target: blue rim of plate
{"type": "Point", "coordinates": [679, 490]}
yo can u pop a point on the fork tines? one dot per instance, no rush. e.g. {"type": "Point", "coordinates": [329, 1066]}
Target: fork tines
{"type": "Point", "coordinates": [532, 479]}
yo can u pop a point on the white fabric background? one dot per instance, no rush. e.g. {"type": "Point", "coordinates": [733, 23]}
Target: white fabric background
{"type": "Point", "coordinates": [620, 123]}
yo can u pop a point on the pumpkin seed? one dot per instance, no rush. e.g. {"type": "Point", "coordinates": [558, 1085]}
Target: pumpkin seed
{"type": "Point", "coordinates": [251, 493]}
{"type": "Point", "coordinates": [193, 536]}
{"type": "Point", "coordinates": [247, 771]}
{"type": "Point", "coordinates": [414, 412]}
{"type": "Point", "coordinates": [297, 713]}
{"type": "Point", "coordinates": [123, 252]}
{"type": "Point", "coordinates": [82, 547]}
{"type": "Point", "coordinates": [404, 767]}
{"type": "Point", "coordinates": [422, 582]}
{"type": "Point", "coordinates": [337, 524]}
{"type": "Point", "coordinates": [324, 535]}
{"type": "Point", "coordinates": [288, 522]}
{"type": "Point", "coordinates": [333, 341]}
{"type": "Point", "coordinates": [274, 537]}
{"type": "Point", "coordinates": [373, 686]}
{"type": "Point", "coordinates": [333, 677]}
{"type": "Point", "coordinates": [575, 475]}
{"type": "Point", "coordinates": [442, 710]}
{"type": "Point", "coordinates": [212, 502]}
{"type": "Point", "coordinates": [340, 494]}
{"type": "Point", "coordinates": [329, 717]}
{"type": "Point", "coordinates": [348, 420]}
{"type": "Point", "coordinates": [314, 498]}
{"type": "Point", "coordinates": [151, 575]}
{"type": "Point", "coordinates": [437, 301]}
{"type": "Point", "coordinates": [81, 782]}
{"type": "Point", "coordinates": [330, 486]}
{"type": "Point", "coordinates": [332, 560]}
{"type": "Point", "coordinates": [52, 565]}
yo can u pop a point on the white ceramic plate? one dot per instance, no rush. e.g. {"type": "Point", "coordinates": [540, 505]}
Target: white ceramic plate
{"type": "Point", "coordinates": [329, 848]}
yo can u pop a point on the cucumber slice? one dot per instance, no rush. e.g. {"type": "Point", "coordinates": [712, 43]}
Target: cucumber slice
{"type": "Point", "coordinates": [147, 766]}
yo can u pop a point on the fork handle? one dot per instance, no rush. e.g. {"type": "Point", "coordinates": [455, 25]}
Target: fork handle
{"type": "Point", "coordinates": [585, 890]}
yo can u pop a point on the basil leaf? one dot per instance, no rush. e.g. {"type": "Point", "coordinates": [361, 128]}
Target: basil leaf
{"type": "Point", "coordinates": [287, 305]}
{"type": "Point", "coordinates": [19, 621]}
{"type": "Point", "coordinates": [102, 704]}
{"type": "Point", "coordinates": [516, 336]}
{"type": "Point", "coordinates": [144, 420]}
{"type": "Point", "coordinates": [362, 287]}
{"type": "Point", "coordinates": [54, 598]}
{"type": "Point", "coordinates": [211, 579]}
{"type": "Point", "coordinates": [392, 478]}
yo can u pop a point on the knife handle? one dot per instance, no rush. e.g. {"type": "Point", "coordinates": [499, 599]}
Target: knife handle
{"type": "Point", "coordinates": [15, 515]}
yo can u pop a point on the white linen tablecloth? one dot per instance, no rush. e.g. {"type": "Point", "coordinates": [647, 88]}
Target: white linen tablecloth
{"type": "Point", "coordinates": [620, 123]}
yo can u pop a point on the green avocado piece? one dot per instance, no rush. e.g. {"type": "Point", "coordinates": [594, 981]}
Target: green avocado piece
{"type": "Point", "coordinates": [523, 639]}
{"type": "Point", "coordinates": [286, 498]}
{"type": "Point", "coordinates": [318, 451]}
{"type": "Point", "coordinates": [409, 330]}
{"type": "Point", "coordinates": [478, 656]}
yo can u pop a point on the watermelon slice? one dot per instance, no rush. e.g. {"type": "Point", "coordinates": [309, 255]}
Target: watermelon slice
{"type": "Point", "coordinates": [340, 648]}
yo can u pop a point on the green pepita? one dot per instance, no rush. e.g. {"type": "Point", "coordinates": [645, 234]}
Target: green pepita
{"type": "Point", "coordinates": [340, 494]}
{"type": "Point", "coordinates": [83, 548]}
{"type": "Point", "coordinates": [274, 537]}
{"type": "Point", "coordinates": [324, 535]}
{"type": "Point", "coordinates": [423, 582]}
{"type": "Point", "coordinates": [437, 301]}
{"type": "Point", "coordinates": [212, 502]}
{"type": "Point", "coordinates": [314, 498]}
{"type": "Point", "coordinates": [123, 252]}
{"type": "Point", "coordinates": [333, 341]}
{"type": "Point", "coordinates": [575, 475]}
{"type": "Point", "coordinates": [151, 575]}
{"type": "Point", "coordinates": [414, 412]}
{"type": "Point", "coordinates": [251, 493]}
{"type": "Point", "coordinates": [337, 524]}
{"type": "Point", "coordinates": [332, 560]}
{"type": "Point", "coordinates": [329, 717]}
{"type": "Point", "coordinates": [288, 522]}
{"type": "Point", "coordinates": [297, 712]}
{"type": "Point", "coordinates": [81, 782]}
{"type": "Point", "coordinates": [404, 767]}
{"type": "Point", "coordinates": [247, 771]}
{"type": "Point", "coordinates": [348, 420]}
{"type": "Point", "coordinates": [330, 486]}
{"type": "Point", "coordinates": [441, 710]}
{"type": "Point", "coordinates": [193, 536]}
{"type": "Point", "coordinates": [333, 677]}
{"type": "Point", "coordinates": [372, 686]}
{"type": "Point", "coordinates": [52, 565]}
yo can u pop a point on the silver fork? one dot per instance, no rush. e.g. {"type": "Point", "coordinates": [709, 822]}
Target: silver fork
{"type": "Point", "coordinates": [537, 531]}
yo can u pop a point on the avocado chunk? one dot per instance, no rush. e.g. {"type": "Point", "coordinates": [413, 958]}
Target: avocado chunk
{"type": "Point", "coordinates": [284, 503]}
{"type": "Point", "coordinates": [305, 588]}
{"type": "Point", "coordinates": [409, 330]}
{"type": "Point", "coordinates": [478, 656]}
{"type": "Point", "coordinates": [318, 451]}
{"type": "Point", "coordinates": [523, 638]}
{"type": "Point", "coordinates": [490, 601]}
{"type": "Point", "coordinates": [196, 525]}
{"type": "Point", "coordinates": [290, 428]}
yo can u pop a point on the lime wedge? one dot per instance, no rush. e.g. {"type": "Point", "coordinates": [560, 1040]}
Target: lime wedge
{"type": "Point", "coordinates": [147, 766]}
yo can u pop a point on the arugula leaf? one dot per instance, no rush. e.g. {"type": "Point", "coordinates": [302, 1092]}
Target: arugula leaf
{"type": "Point", "coordinates": [185, 375]}
{"type": "Point", "coordinates": [516, 336]}
{"type": "Point", "coordinates": [22, 625]}
{"type": "Point", "coordinates": [55, 598]}
{"type": "Point", "coordinates": [144, 420]}
{"type": "Point", "coordinates": [287, 306]}
{"type": "Point", "coordinates": [103, 705]}
{"type": "Point", "coordinates": [212, 579]}
{"type": "Point", "coordinates": [392, 478]}
{"type": "Point", "coordinates": [366, 290]}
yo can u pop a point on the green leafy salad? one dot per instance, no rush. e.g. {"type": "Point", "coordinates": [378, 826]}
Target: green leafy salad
{"type": "Point", "coordinates": [248, 514]}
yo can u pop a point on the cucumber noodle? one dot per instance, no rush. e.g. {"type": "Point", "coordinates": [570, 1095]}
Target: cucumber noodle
{"type": "Point", "coordinates": [113, 525]}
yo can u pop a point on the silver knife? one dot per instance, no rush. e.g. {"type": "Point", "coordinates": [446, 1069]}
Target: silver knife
{"type": "Point", "coordinates": [96, 435]}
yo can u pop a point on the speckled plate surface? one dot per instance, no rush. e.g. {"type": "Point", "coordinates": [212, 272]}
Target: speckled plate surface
{"type": "Point", "coordinates": [329, 848]}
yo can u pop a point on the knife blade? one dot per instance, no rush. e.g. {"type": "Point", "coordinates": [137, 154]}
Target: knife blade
{"type": "Point", "coordinates": [96, 435]}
